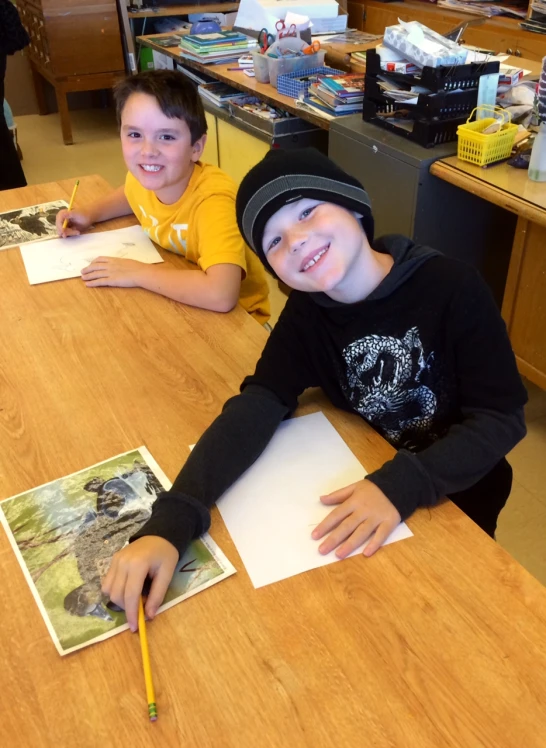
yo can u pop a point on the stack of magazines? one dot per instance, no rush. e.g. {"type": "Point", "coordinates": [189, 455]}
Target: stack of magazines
{"type": "Point", "coordinates": [337, 95]}
{"type": "Point", "coordinates": [220, 47]}
{"type": "Point", "coordinates": [515, 8]}
{"type": "Point", "coordinates": [220, 93]}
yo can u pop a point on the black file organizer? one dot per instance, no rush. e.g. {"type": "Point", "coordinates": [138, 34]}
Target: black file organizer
{"type": "Point", "coordinates": [435, 117]}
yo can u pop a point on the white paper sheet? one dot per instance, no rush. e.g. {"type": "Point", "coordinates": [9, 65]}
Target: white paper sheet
{"type": "Point", "coordinates": [58, 259]}
{"type": "Point", "coordinates": [271, 510]}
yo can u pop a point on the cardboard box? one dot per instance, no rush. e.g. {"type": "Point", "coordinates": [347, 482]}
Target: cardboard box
{"type": "Point", "coordinates": [509, 76]}
{"type": "Point", "coordinates": [422, 46]}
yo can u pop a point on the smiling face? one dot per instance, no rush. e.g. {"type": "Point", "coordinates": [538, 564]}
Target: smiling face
{"type": "Point", "coordinates": [317, 246]}
{"type": "Point", "coordinates": [157, 149]}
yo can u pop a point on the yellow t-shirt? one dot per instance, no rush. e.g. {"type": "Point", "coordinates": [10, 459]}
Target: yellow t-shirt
{"type": "Point", "coordinates": [202, 227]}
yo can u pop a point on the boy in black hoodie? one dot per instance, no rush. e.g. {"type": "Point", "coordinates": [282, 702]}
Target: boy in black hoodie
{"type": "Point", "coordinates": [407, 338]}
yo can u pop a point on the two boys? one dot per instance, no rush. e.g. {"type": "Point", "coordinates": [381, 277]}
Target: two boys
{"type": "Point", "coordinates": [410, 340]}
{"type": "Point", "coordinates": [185, 206]}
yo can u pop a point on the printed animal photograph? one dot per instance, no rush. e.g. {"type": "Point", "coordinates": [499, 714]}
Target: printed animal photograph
{"type": "Point", "coordinates": [31, 224]}
{"type": "Point", "coordinates": [65, 533]}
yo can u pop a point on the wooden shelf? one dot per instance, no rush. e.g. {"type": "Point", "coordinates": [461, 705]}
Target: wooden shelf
{"type": "Point", "coordinates": [240, 81]}
{"type": "Point", "coordinates": [183, 10]}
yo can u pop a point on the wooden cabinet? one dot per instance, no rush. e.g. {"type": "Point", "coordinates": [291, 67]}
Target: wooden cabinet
{"type": "Point", "coordinates": [501, 34]}
{"type": "Point", "coordinates": [210, 154]}
{"type": "Point", "coordinates": [524, 306]}
{"type": "Point", "coordinates": [75, 45]}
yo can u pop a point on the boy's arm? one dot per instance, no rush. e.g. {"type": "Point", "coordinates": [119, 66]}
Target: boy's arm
{"type": "Point", "coordinates": [492, 397]}
{"type": "Point", "coordinates": [232, 443]}
{"type": "Point", "coordinates": [221, 260]}
{"type": "Point", "coordinates": [217, 289]}
{"type": "Point", "coordinates": [454, 463]}
{"type": "Point", "coordinates": [229, 447]}
{"type": "Point", "coordinates": [114, 205]}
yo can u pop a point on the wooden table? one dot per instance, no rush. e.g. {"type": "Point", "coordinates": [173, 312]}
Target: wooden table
{"type": "Point", "coordinates": [524, 304]}
{"type": "Point", "coordinates": [265, 91]}
{"type": "Point", "coordinates": [436, 641]}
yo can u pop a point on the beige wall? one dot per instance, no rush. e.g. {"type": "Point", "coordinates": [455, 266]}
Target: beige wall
{"type": "Point", "coordinates": [19, 88]}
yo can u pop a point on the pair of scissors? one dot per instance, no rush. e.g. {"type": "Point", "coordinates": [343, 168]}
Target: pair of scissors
{"type": "Point", "coordinates": [282, 31]}
{"type": "Point", "coordinates": [265, 40]}
{"type": "Point", "coordinates": [312, 48]}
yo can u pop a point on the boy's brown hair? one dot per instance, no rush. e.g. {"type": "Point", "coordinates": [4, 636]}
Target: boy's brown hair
{"type": "Point", "coordinates": [176, 95]}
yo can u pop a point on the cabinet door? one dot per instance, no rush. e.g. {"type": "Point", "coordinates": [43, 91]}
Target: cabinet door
{"type": "Point", "coordinates": [356, 16]}
{"type": "Point", "coordinates": [532, 46]}
{"type": "Point", "coordinates": [498, 42]}
{"type": "Point", "coordinates": [210, 154]}
{"type": "Point", "coordinates": [377, 19]}
{"type": "Point", "coordinates": [379, 16]}
{"type": "Point", "coordinates": [83, 40]}
{"type": "Point", "coordinates": [238, 151]}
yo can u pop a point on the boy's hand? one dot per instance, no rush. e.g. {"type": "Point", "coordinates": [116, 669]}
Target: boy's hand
{"type": "Point", "coordinates": [363, 512]}
{"type": "Point", "coordinates": [78, 221]}
{"type": "Point", "coordinates": [113, 271]}
{"type": "Point", "coordinates": [148, 556]}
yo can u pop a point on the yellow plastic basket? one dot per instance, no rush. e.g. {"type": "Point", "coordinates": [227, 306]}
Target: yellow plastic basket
{"type": "Point", "coordinates": [482, 149]}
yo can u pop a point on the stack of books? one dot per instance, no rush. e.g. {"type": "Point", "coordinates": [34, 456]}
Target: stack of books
{"type": "Point", "coordinates": [337, 95]}
{"type": "Point", "coordinates": [217, 48]}
{"type": "Point", "coordinates": [220, 93]}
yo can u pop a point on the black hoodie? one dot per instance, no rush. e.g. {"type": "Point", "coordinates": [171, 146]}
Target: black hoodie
{"type": "Point", "coordinates": [425, 359]}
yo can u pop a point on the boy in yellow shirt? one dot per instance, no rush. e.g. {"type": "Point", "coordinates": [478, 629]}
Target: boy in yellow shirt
{"type": "Point", "coordinates": [184, 205]}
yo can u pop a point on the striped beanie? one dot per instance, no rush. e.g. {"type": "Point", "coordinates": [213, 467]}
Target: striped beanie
{"type": "Point", "coordinates": [286, 176]}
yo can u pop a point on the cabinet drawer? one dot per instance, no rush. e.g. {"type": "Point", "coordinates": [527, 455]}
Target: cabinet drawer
{"type": "Point", "coordinates": [33, 20]}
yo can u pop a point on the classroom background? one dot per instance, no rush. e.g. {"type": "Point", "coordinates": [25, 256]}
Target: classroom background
{"type": "Point", "coordinates": [61, 115]}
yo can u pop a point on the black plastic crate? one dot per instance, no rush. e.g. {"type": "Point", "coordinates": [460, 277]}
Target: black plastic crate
{"type": "Point", "coordinates": [427, 133]}
{"type": "Point", "coordinates": [443, 78]}
{"type": "Point", "coordinates": [441, 105]}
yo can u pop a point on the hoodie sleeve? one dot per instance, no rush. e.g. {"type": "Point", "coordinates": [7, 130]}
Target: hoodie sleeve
{"type": "Point", "coordinates": [236, 439]}
{"type": "Point", "coordinates": [492, 397]}
{"type": "Point", "coordinates": [232, 443]}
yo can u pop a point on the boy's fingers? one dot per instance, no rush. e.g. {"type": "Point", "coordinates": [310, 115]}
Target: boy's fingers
{"type": "Point", "coordinates": [117, 587]}
{"type": "Point", "coordinates": [336, 516]}
{"type": "Point", "coordinates": [337, 536]}
{"type": "Point", "coordinates": [381, 534]}
{"type": "Point", "coordinates": [336, 497]}
{"type": "Point", "coordinates": [68, 231]}
{"type": "Point", "coordinates": [95, 267]}
{"type": "Point", "coordinates": [59, 219]}
{"type": "Point", "coordinates": [358, 538]}
{"type": "Point", "coordinates": [159, 587]}
{"type": "Point", "coordinates": [133, 591]}
{"type": "Point", "coordinates": [109, 578]}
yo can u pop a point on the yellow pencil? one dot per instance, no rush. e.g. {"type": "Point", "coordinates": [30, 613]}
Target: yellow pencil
{"type": "Point", "coordinates": [150, 695]}
{"type": "Point", "coordinates": [65, 222]}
